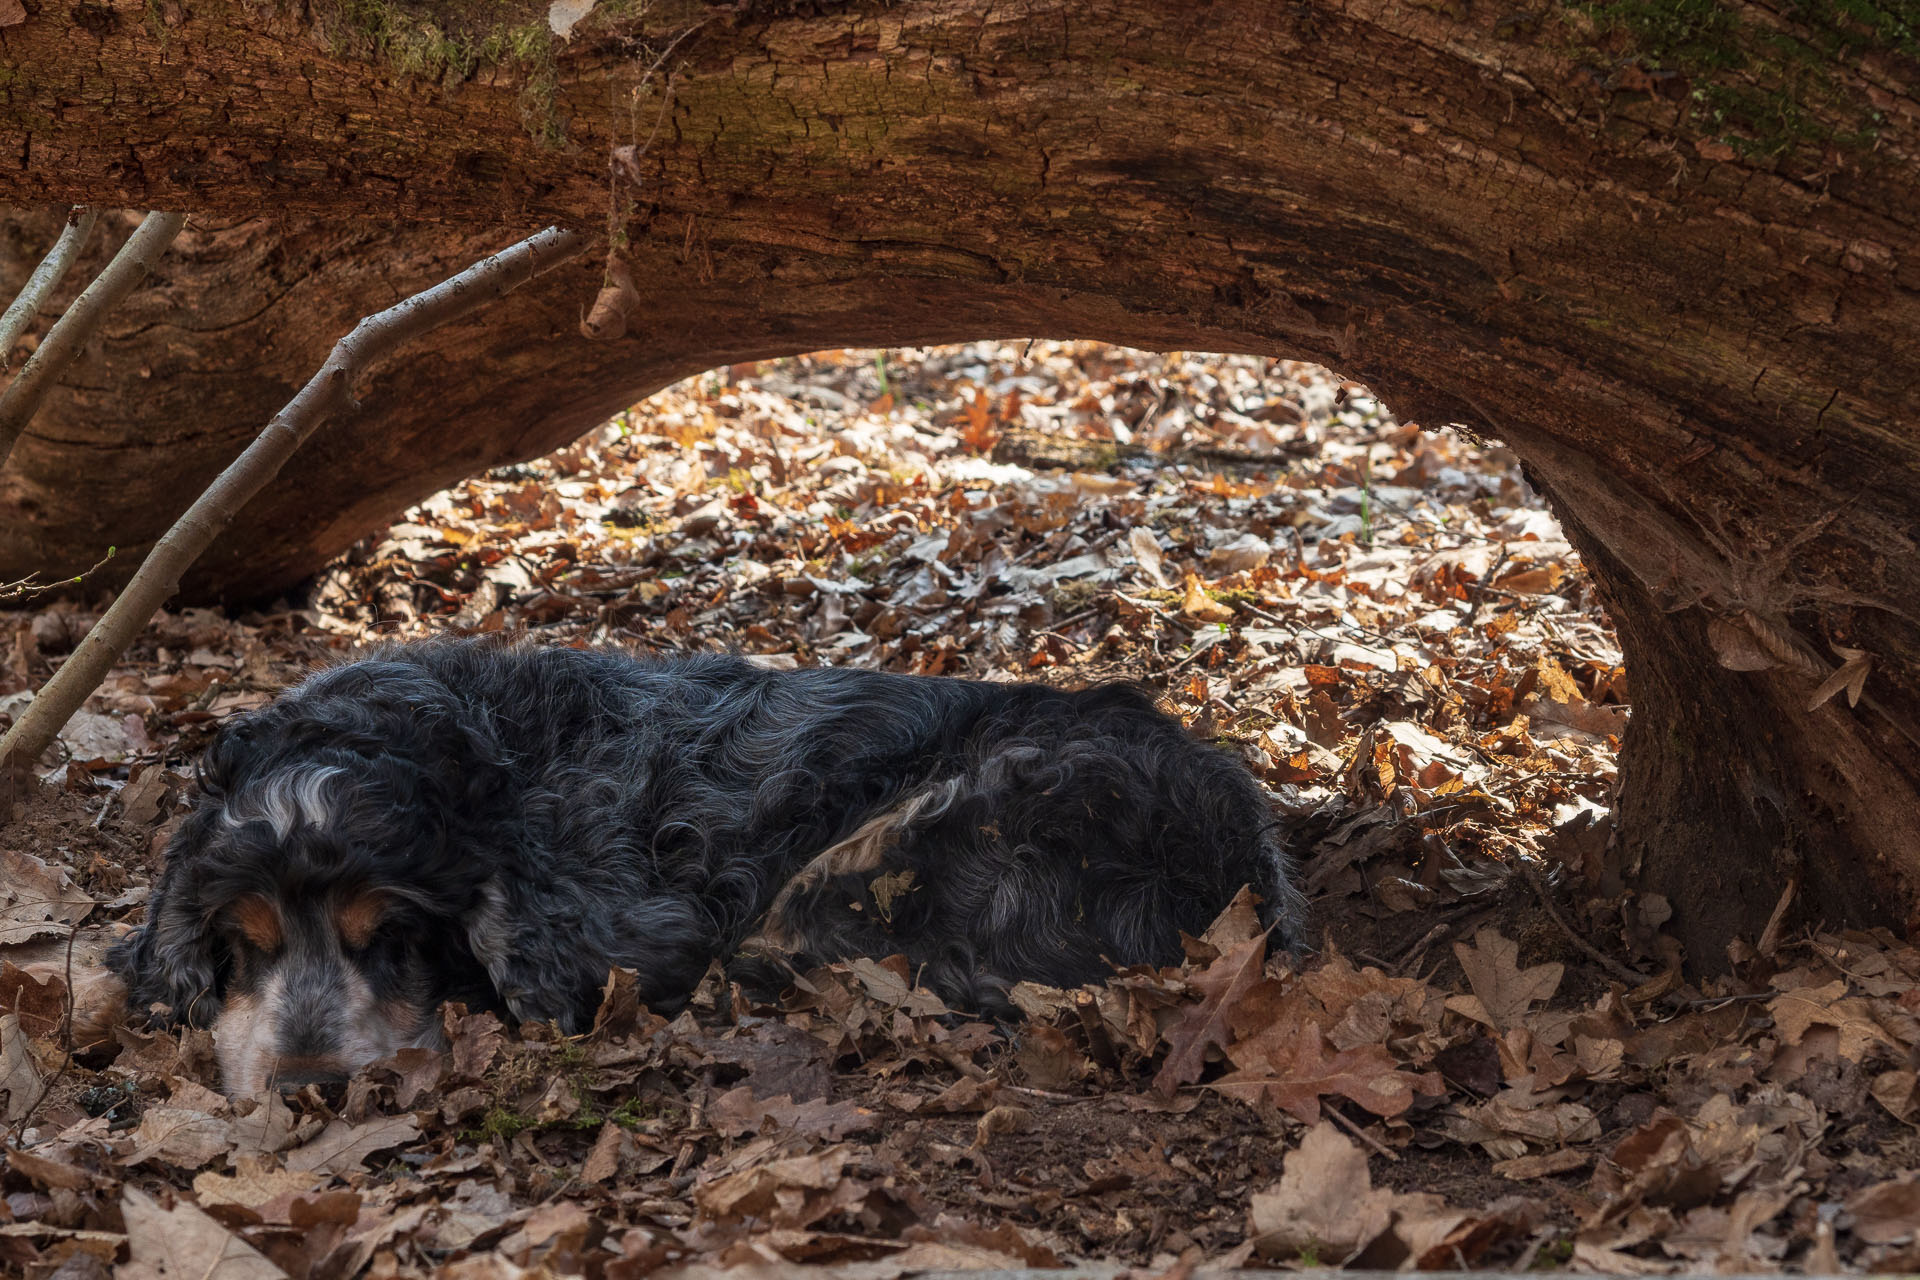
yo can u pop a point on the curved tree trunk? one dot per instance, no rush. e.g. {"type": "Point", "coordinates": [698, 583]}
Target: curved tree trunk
{"type": "Point", "coordinates": [1668, 254]}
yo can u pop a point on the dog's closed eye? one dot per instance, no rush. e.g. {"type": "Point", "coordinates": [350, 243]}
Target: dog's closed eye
{"type": "Point", "coordinates": [258, 923]}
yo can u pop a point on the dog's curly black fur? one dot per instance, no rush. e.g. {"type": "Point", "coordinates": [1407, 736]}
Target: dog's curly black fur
{"type": "Point", "coordinates": [503, 825]}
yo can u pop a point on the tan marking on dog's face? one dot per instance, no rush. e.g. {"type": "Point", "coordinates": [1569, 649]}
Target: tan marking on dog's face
{"type": "Point", "coordinates": [358, 916]}
{"type": "Point", "coordinates": [258, 921]}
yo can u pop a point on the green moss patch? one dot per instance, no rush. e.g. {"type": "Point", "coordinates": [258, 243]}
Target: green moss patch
{"type": "Point", "coordinates": [449, 41]}
{"type": "Point", "coordinates": [1763, 87]}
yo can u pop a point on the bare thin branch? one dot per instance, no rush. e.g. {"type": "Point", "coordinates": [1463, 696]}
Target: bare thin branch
{"type": "Point", "coordinates": [329, 391]}
{"type": "Point", "coordinates": [70, 332]}
{"type": "Point", "coordinates": [29, 587]}
{"type": "Point", "coordinates": [40, 284]}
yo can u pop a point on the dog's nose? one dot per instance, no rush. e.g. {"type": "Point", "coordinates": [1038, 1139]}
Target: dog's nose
{"type": "Point", "coordinates": [295, 1074]}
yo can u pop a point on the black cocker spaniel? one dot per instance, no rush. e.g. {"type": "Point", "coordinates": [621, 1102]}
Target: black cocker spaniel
{"type": "Point", "coordinates": [498, 825]}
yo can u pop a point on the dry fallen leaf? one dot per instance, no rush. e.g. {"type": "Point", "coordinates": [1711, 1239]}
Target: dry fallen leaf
{"type": "Point", "coordinates": [1146, 552]}
{"type": "Point", "coordinates": [253, 1183]}
{"type": "Point", "coordinates": [1502, 991]}
{"type": "Point", "coordinates": [37, 899]}
{"type": "Point", "coordinates": [1238, 922]}
{"type": "Point", "coordinates": [1325, 1201]}
{"type": "Point", "coordinates": [182, 1243]}
{"type": "Point", "coordinates": [475, 1040]}
{"type": "Point", "coordinates": [1197, 604]}
{"type": "Point", "coordinates": [604, 1160]}
{"type": "Point", "coordinates": [1831, 1005]}
{"type": "Point", "coordinates": [19, 1073]}
{"type": "Point", "coordinates": [1736, 648]}
{"type": "Point", "coordinates": [37, 996]}
{"type": "Point", "coordinates": [1204, 1025]}
{"type": "Point", "coordinates": [183, 1137]}
{"type": "Point", "coordinates": [762, 1189]}
{"type": "Point", "coordinates": [887, 982]}
{"type": "Point", "coordinates": [47, 1173]}
{"type": "Point", "coordinates": [1852, 675]}
{"type": "Point", "coordinates": [1887, 1212]}
{"type": "Point", "coordinates": [1246, 552]}
{"type": "Point", "coordinates": [342, 1147]}
{"type": "Point", "coordinates": [739, 1113]}
{"type": "Point", "coordinates": [1049, 1059]}
{"type": "Point", "coordinates": [1289, 1065]}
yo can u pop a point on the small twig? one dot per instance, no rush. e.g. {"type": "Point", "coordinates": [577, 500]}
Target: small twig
{"type": "Point", "coordinates": [1161, 614]}
{"type": "Point", "coordinates": [1770, 936]}
{"type": "Point", "coordinates": [1524, 1263]}
{"type": "Point", "coordinates": [964, 1065]}
{"type": "Point", "coordinates": [1586, 948]}
{"type": "Point", "coordinates": [1311, 630]}
{"type": "Point", "coordinates": [30, 586]}
{"type": "Point", "coordinates": [1192, 655]}
{"type": "Point", "coordinates": [1412, 955]}
{"type": "Point", "coordinates": [45, 277]}
{"type": "Point", "coordinates": [70, 332]}
{"type": "Point", "coordinates": [1048, 1094]}
{"type": "Point", "coordinates": [329, 391]}
{"type": "Point", "coordinates": [1453, 920]}
{"type": "Point", "coordinates": [1358, 1132]}
{"type": "Point", "coordinates": [1071, 619]}
{"type": "Point", "coordinates": [1721, 1002]}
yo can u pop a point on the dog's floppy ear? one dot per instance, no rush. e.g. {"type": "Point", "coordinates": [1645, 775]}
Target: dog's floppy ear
{"type": "Point", "coordinates": [170, 960]}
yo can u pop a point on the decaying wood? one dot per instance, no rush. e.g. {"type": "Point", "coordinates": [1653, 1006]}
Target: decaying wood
{"type": "Point", "coordinates": [1682, 288]}
{"type": "Point", "coordinates": [327, 393]}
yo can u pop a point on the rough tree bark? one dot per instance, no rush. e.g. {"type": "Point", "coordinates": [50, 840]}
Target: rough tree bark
{"type": "Point", "coordinates": [1666, 251]}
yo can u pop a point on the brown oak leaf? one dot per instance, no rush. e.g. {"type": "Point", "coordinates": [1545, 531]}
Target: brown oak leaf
{"type": "Point", "coordinates": [1291, 1066]}
{"type": "Point", "coordinates": [1220, 984]}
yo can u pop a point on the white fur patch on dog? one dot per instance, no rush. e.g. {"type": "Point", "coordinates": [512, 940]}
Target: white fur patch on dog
{"type": "Point", "coordinates": [286, 800]}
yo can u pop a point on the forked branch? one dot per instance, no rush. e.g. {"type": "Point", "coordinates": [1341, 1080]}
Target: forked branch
{"type": "Point", "coordinates": [21, 400]}
{"type": "Point", "coordinates": [45, 277]}
{"type": "Point", "coordinates": [329, 391]}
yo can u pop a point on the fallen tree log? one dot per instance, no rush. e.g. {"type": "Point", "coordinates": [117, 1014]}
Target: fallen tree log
{"type": "Point", "coordinates": [1667, 253]}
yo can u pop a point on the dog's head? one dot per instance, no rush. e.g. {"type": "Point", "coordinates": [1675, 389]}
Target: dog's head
{"type": "Point", "coordinates": [309, 908]}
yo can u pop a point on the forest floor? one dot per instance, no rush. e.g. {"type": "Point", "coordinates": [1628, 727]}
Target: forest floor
{"type": "Point", "coordinates": [1493, 1060]}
